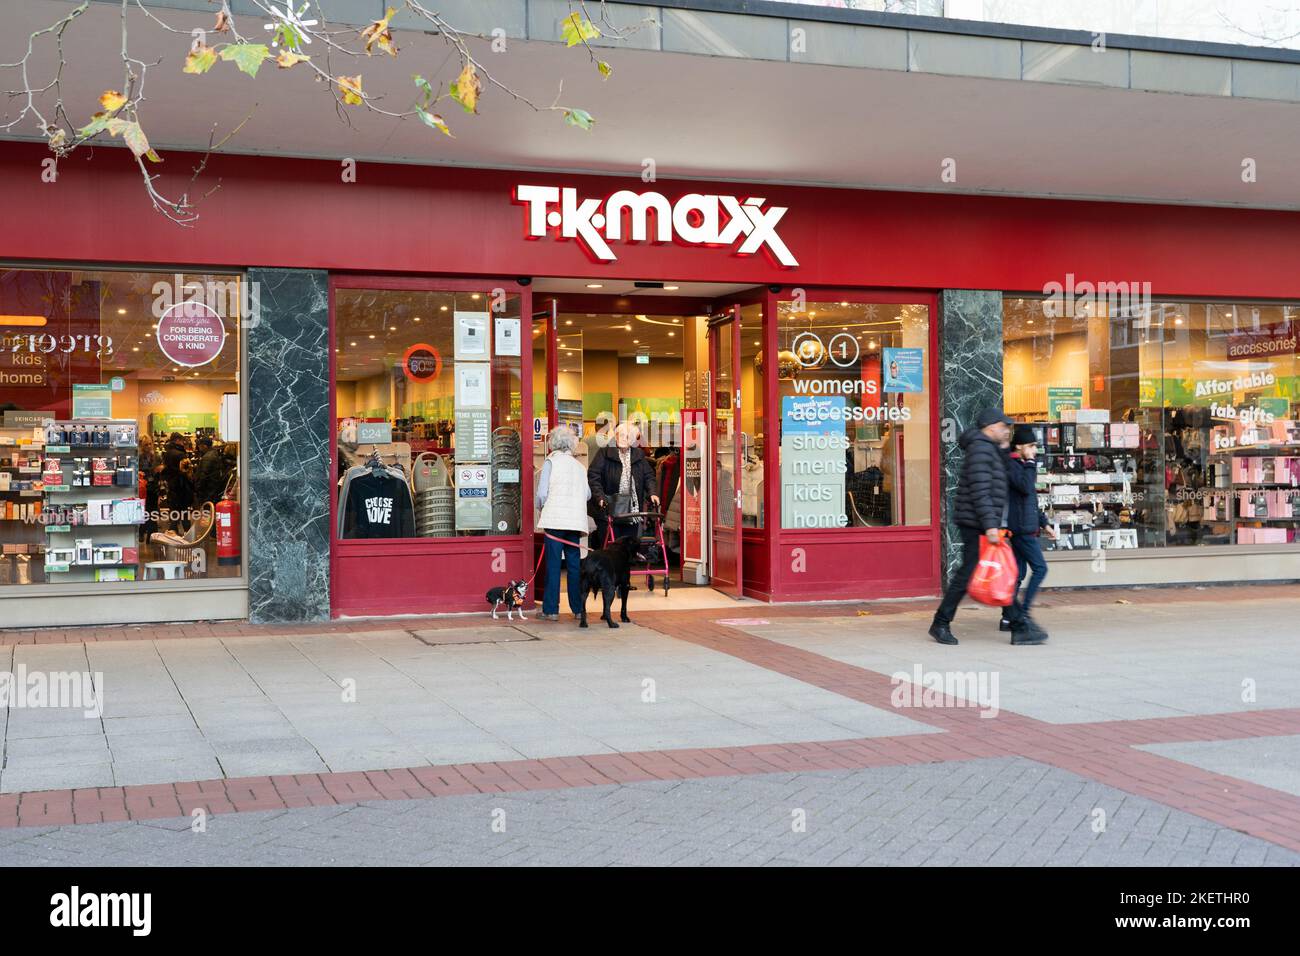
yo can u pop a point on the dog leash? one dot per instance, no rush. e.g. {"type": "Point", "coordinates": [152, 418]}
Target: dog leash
{"type": "Point", "coordinates": [542, 553]}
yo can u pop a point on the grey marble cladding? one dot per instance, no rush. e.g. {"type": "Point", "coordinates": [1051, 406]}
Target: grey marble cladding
{"type": "Point", "coordinates": [288, 447]}
{"type": "Point", "coordinates": [970, 378]}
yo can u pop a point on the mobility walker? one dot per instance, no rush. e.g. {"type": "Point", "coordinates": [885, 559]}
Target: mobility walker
{"type": "Point", "coordinates": [650, 536]}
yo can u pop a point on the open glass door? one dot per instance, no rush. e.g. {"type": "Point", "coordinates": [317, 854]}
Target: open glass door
{"type": "Point", "coordinates": [724, 424]}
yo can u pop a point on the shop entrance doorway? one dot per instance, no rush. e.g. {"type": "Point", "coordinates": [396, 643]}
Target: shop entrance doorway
{"type": "Point", "coordinates": [662, 367]}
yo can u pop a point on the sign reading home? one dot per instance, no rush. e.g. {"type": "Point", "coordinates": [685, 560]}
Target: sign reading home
{"type": "Point", "coordinates": [695, 219]}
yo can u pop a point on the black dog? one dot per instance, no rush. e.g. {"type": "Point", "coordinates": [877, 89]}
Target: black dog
{"type": "Point", "coordinates": [511, 596]}
{"type": "Point", "coordinates": [607, 572]}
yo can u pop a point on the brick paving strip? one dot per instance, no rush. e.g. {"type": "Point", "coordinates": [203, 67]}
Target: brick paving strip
{"type": "Point", "coordinates": [1103, 752]}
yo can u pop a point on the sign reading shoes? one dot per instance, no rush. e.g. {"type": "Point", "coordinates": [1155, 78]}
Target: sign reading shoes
{"type": "Point", "coordinates": [694, 219]}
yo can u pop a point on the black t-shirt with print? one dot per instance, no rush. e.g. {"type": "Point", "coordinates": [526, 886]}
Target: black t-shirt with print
{"type": "Point", "coordinates": [378, 506]}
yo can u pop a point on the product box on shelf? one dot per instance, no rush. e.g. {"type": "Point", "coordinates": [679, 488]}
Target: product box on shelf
{"type": "Point", "coordinates": [108, 554]}
{"type": "Point", "coordinates": [114, 574]}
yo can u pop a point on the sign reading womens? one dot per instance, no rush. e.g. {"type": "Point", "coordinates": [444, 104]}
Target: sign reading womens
{"type": "Point", "coordinates": [191, 334]}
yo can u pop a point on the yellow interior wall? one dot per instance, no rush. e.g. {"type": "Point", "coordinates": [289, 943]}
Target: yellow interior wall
{"type": "Point", "coordinates": [1028, 376]}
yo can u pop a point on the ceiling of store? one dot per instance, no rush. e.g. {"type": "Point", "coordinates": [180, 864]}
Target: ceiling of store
{"type": "Point", "coordinates": [817, 125]}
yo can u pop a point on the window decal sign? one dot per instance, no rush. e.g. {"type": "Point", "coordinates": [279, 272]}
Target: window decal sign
{"type": "Point", "coordinates": [191, 334]}
{"type": "Point", "coordinates": [421, 362]}
{"type": "Point", "coordinates": [694, 220]}
{"type": "Point", "coordinates": [903, 370]}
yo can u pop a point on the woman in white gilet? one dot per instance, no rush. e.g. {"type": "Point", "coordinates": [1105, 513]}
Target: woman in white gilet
{"type": "Point", "coordinates": [562, 493]}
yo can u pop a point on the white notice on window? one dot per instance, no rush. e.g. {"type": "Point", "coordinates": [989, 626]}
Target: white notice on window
{"type": "Point", "coordinates": [472, 389]}
{"type": "Point", "coordinates": [507, 337]}
{"type": "Point", "coordinates": [471, 336]}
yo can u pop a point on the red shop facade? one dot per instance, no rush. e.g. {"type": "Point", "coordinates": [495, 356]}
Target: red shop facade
{"type": "Point", "coordinates": [782, 308]}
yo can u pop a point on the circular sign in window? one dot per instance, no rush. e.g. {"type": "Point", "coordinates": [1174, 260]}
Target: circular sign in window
{"type": "Point", "coordinates": [191, 334]}
{"type": "Point", "coordinates": [421, 363]}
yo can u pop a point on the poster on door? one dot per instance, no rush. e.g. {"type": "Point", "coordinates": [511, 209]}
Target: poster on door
{"type": "Point", "coordinates": [694, 434]}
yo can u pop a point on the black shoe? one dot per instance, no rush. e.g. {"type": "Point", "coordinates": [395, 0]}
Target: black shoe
{"type": "Point", "coordinates": [942, 633]}
{"type": "Point", "coordinates": [1004, 625]}
{"type": "Point", "coordinates": [1028, 633]}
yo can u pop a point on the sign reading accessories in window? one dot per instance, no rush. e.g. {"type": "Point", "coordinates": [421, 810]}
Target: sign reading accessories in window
{"type": "Point", "coordinates": [421, 363]}
{"type": "Point", "coordinates": [694, 219]}
{"type": "Point", "coordinates": [191, 334]}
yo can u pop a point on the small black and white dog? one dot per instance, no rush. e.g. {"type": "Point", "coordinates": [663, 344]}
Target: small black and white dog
{"type": "Point", "coordinates": [608, 572]}
{"type": "Point", "coordinates": [511, 596]}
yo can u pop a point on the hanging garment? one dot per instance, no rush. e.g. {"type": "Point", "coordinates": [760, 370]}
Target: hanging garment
{"type": "Point", "coordinates": [377, 504]}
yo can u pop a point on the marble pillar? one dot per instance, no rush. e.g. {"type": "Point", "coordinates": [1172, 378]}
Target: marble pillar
{"type": "Point", "coordinates": [970, 378]}
{"type": "Point", "coordinates": [288, 447]}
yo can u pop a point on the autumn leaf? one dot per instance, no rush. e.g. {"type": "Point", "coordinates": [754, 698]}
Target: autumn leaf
{"type": "Point", "coordinates": [134, 138]}
{"type": "Point", "coordinates": [97, 123]}
{"type": "Point", "coordinates": [423, 86]}
{"type": "Point", "coordinates": [579, 118]}
{"type": "Point", "coordinates": [200, 59]}
{"type": "Point", "coordinates": [605, 68]}
{"type": "Point", "coordinates": [466, 88]}
{"type": "Point", "coordinates": [434, 121]}
{"type": "Point", "coordinates": [223, 22]}
{"type": "Point", "coordinates": [378, 32]}
{"type": "Point", "coordinates": [576, 29]}
{"type": "Point", "coordinates": [247, 56]}
{"type": "Point", "coordinates": [350, 86]}
{"type": "Point", "coordinates": [288, 58]}
{"type": "Point", "coordinates": [112, 101]}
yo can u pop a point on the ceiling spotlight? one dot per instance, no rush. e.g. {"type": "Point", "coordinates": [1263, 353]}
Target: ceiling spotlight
{"type": "Point", "coordinates": [372, 335]}
{"type": "Point", "coordinates": [444, 308]}
{"type": "Point", "coordinates": [636, 341]}
{"type": "Point", "coordinates": [594, 285]}
{"type": "Point", "coordinates": [568, 321]}
{"type": "Point", "coordinates": [353, 344]}
{"type": "Point", "coordinates": [476, 296]}
{"type": "Point", "coordinates": [671, 288]}
{"type": "Point", "coordinates": [671, 334]}
{"type": "Point", "coordinates": [135, 348]}
{"type": "Point", "coordinates": [121, 311]}
{"type": "Point", "coordinates": [844, 305]}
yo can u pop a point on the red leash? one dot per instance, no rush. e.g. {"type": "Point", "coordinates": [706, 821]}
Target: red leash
{"type": "Point", "coordinates": [542, 553]}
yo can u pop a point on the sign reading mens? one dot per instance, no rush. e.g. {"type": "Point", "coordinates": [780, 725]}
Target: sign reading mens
{"type": "Point", "coordinates": [694, 220]}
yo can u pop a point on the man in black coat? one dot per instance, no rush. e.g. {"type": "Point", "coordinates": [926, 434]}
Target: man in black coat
{"type": "Point", "coordinates": [605, 475]}
{"type": "Point", "coordinates": [981, 511]}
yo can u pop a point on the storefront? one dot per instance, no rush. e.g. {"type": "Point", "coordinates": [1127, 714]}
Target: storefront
{"type": "Point", "coordinates": [120, 464]}
{"type": "Point", "coordinates": [834, 342]}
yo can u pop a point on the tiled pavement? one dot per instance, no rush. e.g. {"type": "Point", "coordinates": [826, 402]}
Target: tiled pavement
{"type": "Point", "coordinates": [1003, 811]}
{"type": "Point", "coordinates": [1139, 697]}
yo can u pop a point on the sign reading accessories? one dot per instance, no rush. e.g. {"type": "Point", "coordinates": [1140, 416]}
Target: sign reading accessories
{"type": "Point", "coordinates": [695, 220]}
{"type": "Point", "coordinates": [191, 334]}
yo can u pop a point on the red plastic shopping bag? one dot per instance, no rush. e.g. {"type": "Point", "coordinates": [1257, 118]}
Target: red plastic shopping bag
{"type": "Point", "coordinates": [994, 580]}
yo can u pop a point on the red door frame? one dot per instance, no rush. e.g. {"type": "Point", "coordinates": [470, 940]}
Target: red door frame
{"type": "Point", "coordinates": [784, 587]}
{"type": "Point", "coordinates": [517, 548]}
{"type": "Point", "coordinates": [720, 324]}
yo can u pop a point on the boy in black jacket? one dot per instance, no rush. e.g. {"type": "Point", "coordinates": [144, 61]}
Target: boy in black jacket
{"type": "Point", "coordinates": [1025, 520]}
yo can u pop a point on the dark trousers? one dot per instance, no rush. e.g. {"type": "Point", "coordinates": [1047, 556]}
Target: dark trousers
{"type": "Point", "coordinates": [1029, 558]}
{"type": "Point", "coordinates": [570, 553]}
{"type": "Point", "coordinates": [622, 529]}
{"type": "Point", "coordinates": [960, 580]}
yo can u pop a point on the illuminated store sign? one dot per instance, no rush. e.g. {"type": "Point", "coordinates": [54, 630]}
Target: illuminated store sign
{"type": "Point", "coordinates": [694, 219]}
